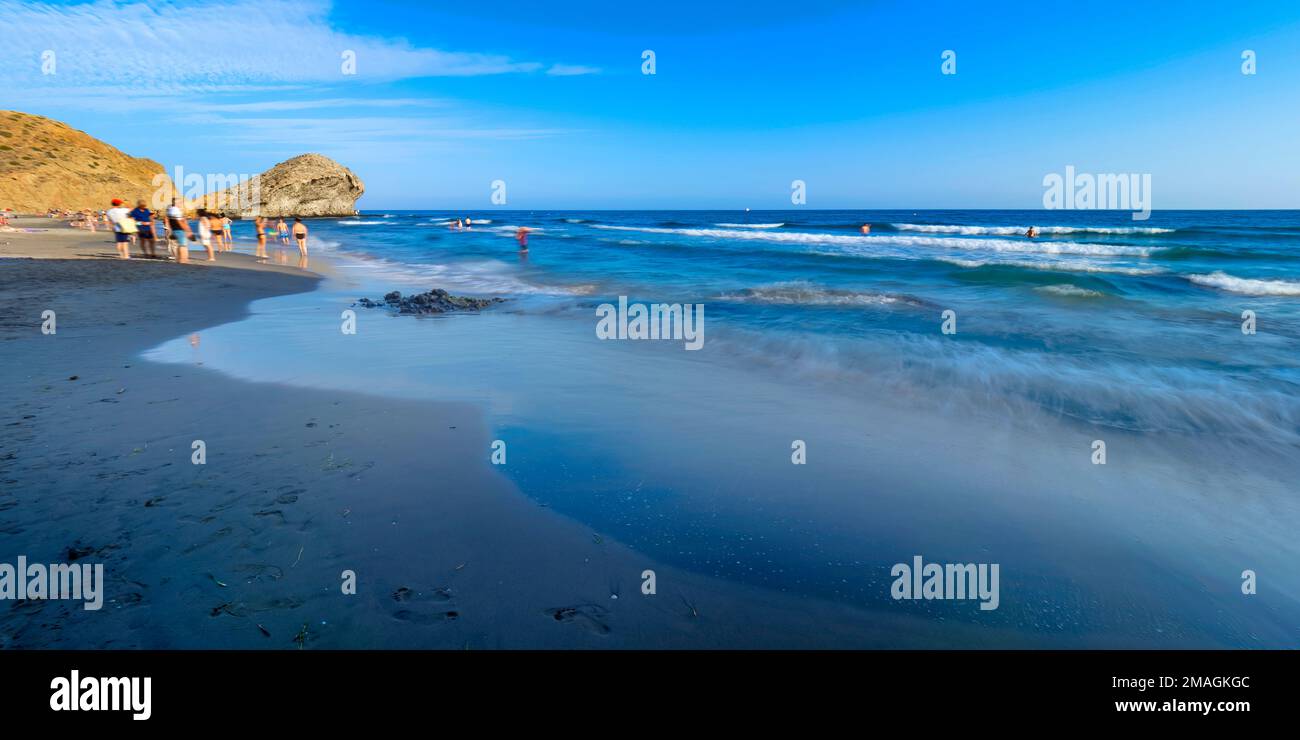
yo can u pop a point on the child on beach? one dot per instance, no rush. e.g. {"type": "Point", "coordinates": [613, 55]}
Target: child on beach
{"type": "Point", "coordinates": [282, 229]}
{"type": "Point", "coordinates": [272, 233]}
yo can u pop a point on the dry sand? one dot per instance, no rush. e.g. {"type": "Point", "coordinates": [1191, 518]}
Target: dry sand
{"type": "Point", "coordinates": [249, 550]}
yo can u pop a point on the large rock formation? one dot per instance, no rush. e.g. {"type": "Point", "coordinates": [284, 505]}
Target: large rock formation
{"type": "Point", "coordinates": [307, 185]}
{"type": "Point", "coordinates": [47, 164]}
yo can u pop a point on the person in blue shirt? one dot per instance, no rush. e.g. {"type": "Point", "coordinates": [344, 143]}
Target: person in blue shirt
{"type": "Point", "coordinates": [143, 218]}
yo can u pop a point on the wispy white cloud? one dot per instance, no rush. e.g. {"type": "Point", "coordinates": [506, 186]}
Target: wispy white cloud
{"type": "Point", "coordinates": [198, 46]}
{"type": "Point", "coordinates": [264, 106]}
{"type": "Point", "coordinates": [571, 70]}
{"type": "Point", "coordinates": [392, 132]}
{"type": "Point", "coordinates": [230, 71]}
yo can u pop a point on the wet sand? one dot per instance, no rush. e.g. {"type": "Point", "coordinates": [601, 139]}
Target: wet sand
{"type": "Point", "coordinates": [249, 550]}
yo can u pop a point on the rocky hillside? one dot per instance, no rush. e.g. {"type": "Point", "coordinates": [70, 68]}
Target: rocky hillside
{"type": "Point", "coordinates": [47, 164]}
{"type": "Point", "coordinates": [307, 185]}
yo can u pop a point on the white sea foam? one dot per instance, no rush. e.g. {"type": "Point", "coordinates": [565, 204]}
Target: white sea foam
{"type": "Point", "coordinates": [801, 292]}
{"type": "Point", "coordinates": [1132, 394]}
{"type": "Point", "coordinates": [475, 277]}
{"type": "Point", "coordinates": [1247, 286]}
{"type": "Point", "coordinates": [1058, 265]}
{"type": "Point", "coordinates": [1068, 290]}
{"type": "Point", "coordinates": [511, 230]}
{"type": "Point", "coordinates": [1020, 230]}
{"type": "Point", "coordinates": [751, 226]}
{"type": "Point", "coordinates": [993, 245]}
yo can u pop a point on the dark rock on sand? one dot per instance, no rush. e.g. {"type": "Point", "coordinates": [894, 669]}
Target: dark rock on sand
{"type": "Point", "coordinates": [435, 301]}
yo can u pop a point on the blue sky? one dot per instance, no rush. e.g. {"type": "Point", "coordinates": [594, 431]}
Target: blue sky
{"type": "Point", "coordinates": [747, 96]}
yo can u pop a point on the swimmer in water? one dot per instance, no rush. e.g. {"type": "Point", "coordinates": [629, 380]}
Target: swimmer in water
{"type": "Point", "coordinates": [522, 236]}
{"type": "Point", "coordinates": [1032, 233]}
{"type": "Point", "coordinates": [866, 228]}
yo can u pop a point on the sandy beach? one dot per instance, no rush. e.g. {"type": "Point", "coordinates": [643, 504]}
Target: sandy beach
{"type": "Point", "coordinates": [249, 549]}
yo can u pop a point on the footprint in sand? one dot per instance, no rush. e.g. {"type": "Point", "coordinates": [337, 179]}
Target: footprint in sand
{"type": "Point", "coordinates": [437, 595]}
{"type": "Point", "coordinates": [406, 615]}
{"type": "Point", "coordinates": [589, 616]}
{"type": "Point", "coordinates": [258, 572]}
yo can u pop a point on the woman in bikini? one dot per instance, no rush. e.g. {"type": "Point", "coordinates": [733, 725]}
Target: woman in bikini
{"type": "Point", "coordinates": [260, 226]}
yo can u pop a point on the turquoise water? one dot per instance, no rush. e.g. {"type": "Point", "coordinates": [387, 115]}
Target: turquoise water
{"type": "Point", "coordinates": [965, 447]}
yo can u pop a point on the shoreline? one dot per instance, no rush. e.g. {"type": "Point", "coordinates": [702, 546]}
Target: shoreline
{"type": "Point", "coordinates": [300, 485]}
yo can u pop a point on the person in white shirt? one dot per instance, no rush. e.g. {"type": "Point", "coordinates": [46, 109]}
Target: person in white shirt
{"type": "Point", "coordinates": [117, 218]}
{"type": "Point", "coordinates": [180, 231]}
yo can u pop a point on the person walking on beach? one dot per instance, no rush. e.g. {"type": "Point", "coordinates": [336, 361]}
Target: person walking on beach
{"type": "Point", "coordinates": [227, 232]}
{"type": "Point", "coordinates": [206, 234]}
{"type": "Point", "coordinates": [300, 235]}
{"type": "Point", "coordinates": [123, 228]}
{"type": "Point", "coordinates": [260, 226]}
{"type": "Point", "coordinates": [143, 218]}
{"type": "Point", "coordinates": [180, 229]}
{"type": "Point", "coordinates": [282, 229]}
